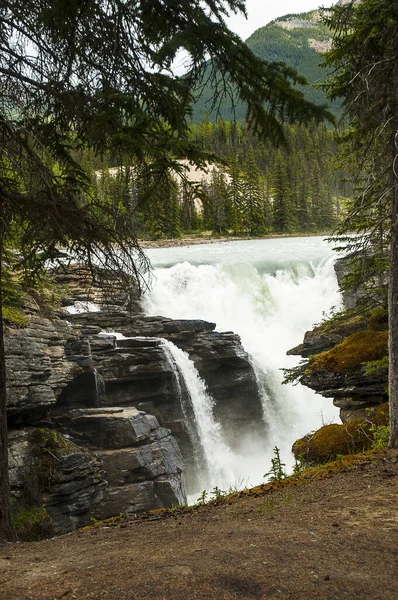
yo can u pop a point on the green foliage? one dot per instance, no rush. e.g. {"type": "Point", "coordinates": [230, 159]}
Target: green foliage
{"type": "Point", "coordinates": [362, 60]}
{"type": "Point", "coordinates": [32, 523]}
{"type": "Point", "coordinates": [300, 465]}
{"type": "Point", "coordinates": [203, 497]}
{"type": "Point", "coordinates": [381, 436]}
{"type": "Point", "coordinates": [277, 471]}
{"type": "Point", "coordinates": [377, 366]}
{"type": "Point", "coordinates": [252, 189]}
{"type": "Point", "coordinates": [14, 316]}
{"type": "Point", "coordinates": [294, 374]}
{"type": "Point", "coordinates": [218, 494]}
{"type": "Point", "coordinates": [258, 189]}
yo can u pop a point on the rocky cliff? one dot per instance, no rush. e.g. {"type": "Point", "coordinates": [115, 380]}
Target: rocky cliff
{"type": "Point", "coordinates": [97, 425]}
{"type": "Point", "coordinates": [347, 357]}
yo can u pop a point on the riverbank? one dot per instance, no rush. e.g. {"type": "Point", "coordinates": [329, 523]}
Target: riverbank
{"type": "Point", "coordinates": [209, 239]}
{"type": "Point", "coordinates": [327, 538]}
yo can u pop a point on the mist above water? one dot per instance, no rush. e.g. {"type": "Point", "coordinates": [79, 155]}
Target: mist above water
{"type": "Point", "coordinates": [269, 292]}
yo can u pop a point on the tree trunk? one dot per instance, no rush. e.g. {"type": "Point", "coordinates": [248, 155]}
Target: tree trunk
{"type": "Point", "coordinates": [393, 314]}
{"type": "Point", "coordinates": [393, 285]}
{"type": "Point", "coordinates": [6, 526]}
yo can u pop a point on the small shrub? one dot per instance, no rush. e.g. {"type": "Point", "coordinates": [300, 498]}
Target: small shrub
{"type": "Point", "coordinates": [202, 498]}
{"type": "Point", "coordinates": [381, 436]}
{"type": "Point", "coordinates": [300, 465]}
{"type": "Point", "coordinates": [32, 523]}
{"type": "Point", "coordinates": [218, 494]}
{"type": "Point", "coordinates": [277, 471]}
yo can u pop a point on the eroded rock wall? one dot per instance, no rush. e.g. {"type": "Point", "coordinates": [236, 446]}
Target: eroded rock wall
{"type": "Point", "coordinates": [118, 403]}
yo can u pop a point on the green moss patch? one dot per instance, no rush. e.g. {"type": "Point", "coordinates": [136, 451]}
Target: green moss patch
{"type": "Point", "coordinates": [14, 317]}
{"type": "Point", "coordinates": [32, 523]}
{"type": "Point", "coordinates": [360, 347]}
{"type": "Point", "coordinates": [335, 440]}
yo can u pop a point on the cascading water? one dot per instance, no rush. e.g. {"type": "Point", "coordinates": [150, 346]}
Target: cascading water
{"type": "Point", "coordinates": [269, 292]}
{"type": "Point", "coordinates": [215, 464]}
{"type": "Point", "coordinates": [219, 461]}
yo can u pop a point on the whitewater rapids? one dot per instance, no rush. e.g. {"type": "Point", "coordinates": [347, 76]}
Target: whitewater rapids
{"type": "Point", "coordinates": [269, 292]}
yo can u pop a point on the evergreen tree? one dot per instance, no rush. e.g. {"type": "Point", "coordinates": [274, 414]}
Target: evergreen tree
{"type": "Point", "coordinates": [365, 61]}
{"type": "Point", "coordinates": [252, 197]}
{"type": "Point", "coordinates": [158, 202]}
{"type": "Point", "coordinates": [284, 217]}
{"type": "Point", "coordinates": [235, 194]}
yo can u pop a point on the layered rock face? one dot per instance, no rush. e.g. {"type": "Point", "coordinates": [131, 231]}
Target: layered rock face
{"type": "Point", "coordinates": [137, 372]}
{"type": "Point", "coordinates": [119, 404]}
{"type": "Point", "coordinates": [47, 469]}
{"type": "Point", "coordinates": [340, 371]}
{"type": "Point", "coordinates": [340, 359]}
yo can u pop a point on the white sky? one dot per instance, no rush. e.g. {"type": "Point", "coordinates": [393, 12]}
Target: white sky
{"type": "Point", "coordinates": [261, 12]}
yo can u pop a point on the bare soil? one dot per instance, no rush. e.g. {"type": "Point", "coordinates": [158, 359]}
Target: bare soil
{"type": "Point", "coordinates": [334, 538]}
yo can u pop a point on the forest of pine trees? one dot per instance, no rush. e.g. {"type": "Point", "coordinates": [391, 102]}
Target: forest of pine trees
{"type": "Point", "coordinates": [254, 189]}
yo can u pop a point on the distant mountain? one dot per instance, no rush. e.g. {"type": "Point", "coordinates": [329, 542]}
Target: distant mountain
{"type": "Point", "coordinates": [295, 39]}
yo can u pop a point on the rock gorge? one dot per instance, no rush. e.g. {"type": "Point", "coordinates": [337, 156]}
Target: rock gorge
{"type": "Point", "coordinates": [97, 424]}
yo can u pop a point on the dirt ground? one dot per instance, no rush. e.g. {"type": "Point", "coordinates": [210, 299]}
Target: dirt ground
{"type": "Point", "coordinates": [333, 538]}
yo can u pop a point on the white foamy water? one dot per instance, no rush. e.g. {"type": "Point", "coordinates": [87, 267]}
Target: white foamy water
{"type": "Point", "coordinates": [219, 468]}
{"type": "Point", "coordinates": [269, 292]}
{"type": "Point", "coordinates": [79, 307]}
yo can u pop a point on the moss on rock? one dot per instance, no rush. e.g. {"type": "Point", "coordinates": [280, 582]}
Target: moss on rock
{"type": "Point", "coordinates": [14, 317]}
{"type": "Point", "coordinates": [47, 448]}
{"type": "Point", "coordinates": [362, 346]}
{"type": "Point", "coordinates": [336, 440]}
{"type": "Point", "coordinates": [332, 440]}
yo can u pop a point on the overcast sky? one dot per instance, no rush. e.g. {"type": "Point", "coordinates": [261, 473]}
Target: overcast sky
{"type": "Point", "coordinates": [261, 12]}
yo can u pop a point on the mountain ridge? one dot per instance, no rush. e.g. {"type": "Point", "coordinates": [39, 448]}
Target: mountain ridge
{"type": "Point", "coordinates": [297, 39]}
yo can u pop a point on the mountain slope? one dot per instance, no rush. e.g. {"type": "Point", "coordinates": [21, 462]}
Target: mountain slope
{"type": "Point", "coordinates": [297, 40]}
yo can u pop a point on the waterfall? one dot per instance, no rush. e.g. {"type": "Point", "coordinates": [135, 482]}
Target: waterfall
{"type": "Point", "coordinates": [99, 385]}
{"type": "Point", "coordinates": [196, 465]}
{"type": "Point", "coordinates": [269, 292]}
{"type": "Point", "coordinates": [214, 464]}
{"type": "Point", "coordinates": [218, 457]}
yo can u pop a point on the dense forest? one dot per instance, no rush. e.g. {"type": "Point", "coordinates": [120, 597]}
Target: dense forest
{"type": "Point", "coordinates": [254, 188]}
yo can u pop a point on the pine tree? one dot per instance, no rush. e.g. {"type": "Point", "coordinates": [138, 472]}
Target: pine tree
{"type": "Point", "coordinates": [235, 192]}
{"type": "Point", "coordinates": [284, 216]}
{"type": "Point", "coordinates": [252, 197]}
{"type": "Point", "coordinates": [365, 60]}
